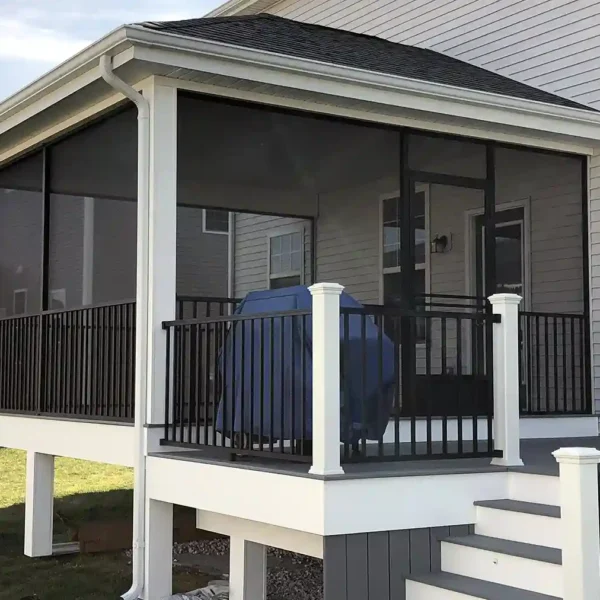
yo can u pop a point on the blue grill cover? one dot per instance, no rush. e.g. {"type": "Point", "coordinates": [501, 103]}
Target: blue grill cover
{"type": "Point", "coordinates": [268, 363]}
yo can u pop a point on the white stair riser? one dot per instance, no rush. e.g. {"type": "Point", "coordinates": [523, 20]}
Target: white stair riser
{"type": "Point", "coordinates": [507, 570]}
{"type": "Point", "coordinates": [422, 591]}
{"type": "Point", "coordinates": [540, 489]}
{"type": "Point", "coordinates": [518, 527]}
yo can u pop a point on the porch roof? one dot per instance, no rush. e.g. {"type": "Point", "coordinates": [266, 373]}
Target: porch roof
{"type": "Point", "coordinates": [270, 33]}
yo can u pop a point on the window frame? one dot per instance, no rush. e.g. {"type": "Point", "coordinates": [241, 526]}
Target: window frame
{"type": "Point", "coordinates": [24, 291]}
{"type": "Point", "coordinates": [205, 229]}
{"type": "Point", "coordinates": [281, 232]}
{"type": "Point", "coordinates": [424, 266]}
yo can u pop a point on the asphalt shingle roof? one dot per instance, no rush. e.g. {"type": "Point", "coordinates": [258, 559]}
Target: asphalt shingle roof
{"type": "Point", "coordinates": [303, 40]}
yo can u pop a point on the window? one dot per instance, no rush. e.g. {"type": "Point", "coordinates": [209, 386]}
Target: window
{"type": "Point", "coordinates": [286, 260]}
{"type": "Point", "coordinates": [20, 302]}
{"type": "Point", "coordinates": [392, 264]}
{"type": "Point", "coordinates": [58, 299]}
{"type": "Point", "coordinates": [215, 221]}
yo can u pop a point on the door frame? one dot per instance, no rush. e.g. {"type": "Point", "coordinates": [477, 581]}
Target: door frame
{"type": "Point", "coordinates": [470, 266]}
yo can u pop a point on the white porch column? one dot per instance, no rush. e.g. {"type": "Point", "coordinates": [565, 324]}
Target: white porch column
{"type": "Point", "coordinates": [326, 378]}
{"type": "Point", "coordinates": [159, 550]}
{"type": "Point", "coordinates": [506, 379]}
{"type": "Point", "coordinates": [39, 504]}
{"type": "Point", "coordinates": [579, 522]}
{"type": "Point", "coordinates": [162, 240]}
{"type": "Point", "coordinates": [247, 570]}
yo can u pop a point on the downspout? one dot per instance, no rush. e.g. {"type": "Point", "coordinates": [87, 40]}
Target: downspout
{"type": "Point", "coordinates": [141, 357]}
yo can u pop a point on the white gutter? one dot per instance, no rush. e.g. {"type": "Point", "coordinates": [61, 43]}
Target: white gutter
{"type": "Point", "coordinates": [141, 355]}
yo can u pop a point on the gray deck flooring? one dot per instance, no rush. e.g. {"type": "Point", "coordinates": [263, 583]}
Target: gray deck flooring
{"type": "Point", "coordinates": [536, 454]}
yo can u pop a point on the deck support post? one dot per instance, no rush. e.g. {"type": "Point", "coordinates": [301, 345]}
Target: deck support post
{"type": "Point", "coordinates": [159, 550]}
{"type": "Point", "coordinates": [39, 504]}
{"type": "Point", "coordinates": [326, 378]}
{"type": "Point", "coordinates": [579, 522]}
{"type": "Point", "coordinates": [247, 570]}
{"type": "Point", "coordinates": [506, 379]}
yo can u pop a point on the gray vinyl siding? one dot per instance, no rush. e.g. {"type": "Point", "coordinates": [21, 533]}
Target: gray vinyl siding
{"type": "Point", "coordinates": [594, 216]}
{"type": "Point", "coordinates": [251, 249]}
{"type": "Point", "coordinates": [374, 566]}
{"type": "Point", "coordinates": [202, 258]}
{"type": "Point", "coordinates": [551, 44]}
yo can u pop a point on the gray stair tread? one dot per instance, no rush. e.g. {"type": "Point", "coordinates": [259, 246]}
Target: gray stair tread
{"type": "Point", "coordinates": [530, 508]}
{"type": "Point", "coordinates": [477, 587]}
{"type": "Point", "coordinates": [530, 551]}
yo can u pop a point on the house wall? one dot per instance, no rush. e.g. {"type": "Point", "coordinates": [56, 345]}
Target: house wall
{"type": "Point", "coordinates": [348, 239]}
{"type": "Point", "coordinates": [546, 43]}
{"type": "Point", "coordinates": [251, 249]}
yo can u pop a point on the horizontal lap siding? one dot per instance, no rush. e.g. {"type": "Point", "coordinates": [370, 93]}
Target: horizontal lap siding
{"type": "Point", "coordinates": [251, 250]}
{"type": "Point", "coordinates": [550, 44]}
{"type": "Point", "coordinates": [201, 257]}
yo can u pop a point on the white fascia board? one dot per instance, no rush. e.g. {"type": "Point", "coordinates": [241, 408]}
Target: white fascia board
{"type": "Point", "coordinates": [277, 69]}
{"type": "Point", "coordinates": [70, 76]}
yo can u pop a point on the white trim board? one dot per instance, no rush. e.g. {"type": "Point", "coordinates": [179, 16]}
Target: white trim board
{"type": "Point", "coordinates": [261, 533]}
{"type": "Point", "coordinates": [100, 442]}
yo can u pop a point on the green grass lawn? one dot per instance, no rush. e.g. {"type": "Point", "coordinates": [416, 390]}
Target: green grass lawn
{"type": "Point", "coordinates": [84, 492]}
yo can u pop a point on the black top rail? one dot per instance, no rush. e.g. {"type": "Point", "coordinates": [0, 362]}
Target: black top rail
{"type": "Point", "coordinates": [235, 318]}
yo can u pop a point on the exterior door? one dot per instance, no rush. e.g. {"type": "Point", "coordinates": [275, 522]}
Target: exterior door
{"type": "Point", "coordinates": [510, 253]}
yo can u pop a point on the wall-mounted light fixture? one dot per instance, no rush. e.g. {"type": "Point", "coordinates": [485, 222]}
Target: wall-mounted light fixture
{"type": "Point", "coordinates": [440, 244]}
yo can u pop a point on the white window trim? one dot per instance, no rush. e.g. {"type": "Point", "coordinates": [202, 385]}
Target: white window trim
{"type": "Point", "coordinates": [287, 230]}
{"type": "Point", "coordinates": [426, 266]}
{"type": "Point", "coordinates": [470, 275]}
{"type": "Point", "coordinates": [212, 231]}
{"type": "Point", "coordinates": [20, 291]}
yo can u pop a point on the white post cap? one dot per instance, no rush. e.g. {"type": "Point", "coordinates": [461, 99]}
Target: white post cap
{"type": "Point", "coordinates": [326, 288]}
{"type": "Point", "coordinates": [579, 456]}
{"type": "Point", "coordinates": [505, 299]}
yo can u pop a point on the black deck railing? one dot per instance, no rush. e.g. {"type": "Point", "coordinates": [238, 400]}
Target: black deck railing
{"type": "Point", "coordinates": [73, 363]}
{"type": "Point", "coordinates": [240, 384]}
{"type": "Point", "coordinates": [429, 370]}
{"type": "Point", "coordinates": [555, 369]}
{"type": "Point", "coordinates": [194, 307]}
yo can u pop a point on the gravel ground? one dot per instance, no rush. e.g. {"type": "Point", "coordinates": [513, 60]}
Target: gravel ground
{"type": "Point", "coordinates": [289, 576]}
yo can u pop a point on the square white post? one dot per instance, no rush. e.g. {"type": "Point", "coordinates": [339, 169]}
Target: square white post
{"type": "Point", "coordinates": [506, 379]}
{"type": "Point", "coordinates": [247, 570]}
{"type": "Point", "coordinates": [159, 550]}
{"type": "Point", "coordinates": [39, 504]}
{"type": "Point", "coordinates": [326, 378]}
{"type": "Point", "coordinates": [579, 522]}
{"type": "Point", "coordinates": [161, 222]}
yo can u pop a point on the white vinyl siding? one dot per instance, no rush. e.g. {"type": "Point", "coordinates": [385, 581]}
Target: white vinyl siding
{"type": "Point", "coordinates": [551, 44]}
